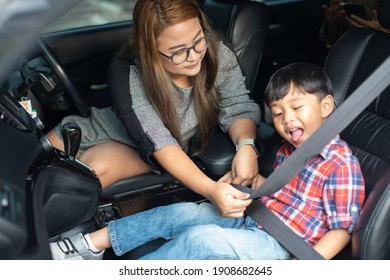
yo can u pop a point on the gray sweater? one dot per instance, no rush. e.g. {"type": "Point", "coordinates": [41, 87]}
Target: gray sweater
{"type": "Point", "coordinates": [139, 125]}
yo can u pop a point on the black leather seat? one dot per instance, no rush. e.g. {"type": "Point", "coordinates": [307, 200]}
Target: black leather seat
{"type": "Point", "coordinates": [362, 51]}
{"type": "Point", "coordinates": [245, 24]}
{"type": "Point", "coordinates": [352, 59]}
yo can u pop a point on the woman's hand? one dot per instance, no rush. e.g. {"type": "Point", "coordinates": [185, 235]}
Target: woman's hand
{"type": "Point", "coordinates": [244, 167]}
{"type": "Point", "coordinates": [355, 22]}
{"type": "Point", "coordinates": [230, 201]}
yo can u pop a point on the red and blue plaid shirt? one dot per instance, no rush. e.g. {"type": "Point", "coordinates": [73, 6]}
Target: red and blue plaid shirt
{"type": "Point", "coordinates": [327, 194]}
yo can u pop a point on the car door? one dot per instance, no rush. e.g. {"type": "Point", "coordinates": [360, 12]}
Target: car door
{"type": "Point", "coordinates": [81, 45]}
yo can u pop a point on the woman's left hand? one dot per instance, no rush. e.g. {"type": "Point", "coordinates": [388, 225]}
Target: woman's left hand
{"type": "Point", "coordinates": [244, 167]}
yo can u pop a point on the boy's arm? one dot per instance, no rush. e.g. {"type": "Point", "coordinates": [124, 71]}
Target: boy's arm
{"type": "Point", "coordinates": [343, 197]}
{"type": "Point", "coordinates": [259, 181]}
{"type": "Point", "coordinates": [332, 243]}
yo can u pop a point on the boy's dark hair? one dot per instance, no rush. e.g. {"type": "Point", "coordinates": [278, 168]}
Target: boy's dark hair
{"type": "Point", "coordinates": [306, 77]}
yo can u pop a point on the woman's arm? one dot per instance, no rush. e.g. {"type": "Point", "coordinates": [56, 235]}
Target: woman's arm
{"type": "Point", "coordinates": [229, 200]}
{"type": "Point", "coordinates": [244, 168]}
{"type": "Point", "coordinates": [238, 117]}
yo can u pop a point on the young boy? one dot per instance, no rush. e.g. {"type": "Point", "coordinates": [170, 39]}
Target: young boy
{"type": "Point", "coordinates": [321, 204]}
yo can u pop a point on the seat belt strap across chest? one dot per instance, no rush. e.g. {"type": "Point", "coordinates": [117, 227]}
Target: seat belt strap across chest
{"type": "Point", "coordinates": [370, 89]}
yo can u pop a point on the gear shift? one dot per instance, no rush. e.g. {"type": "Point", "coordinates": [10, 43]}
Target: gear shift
{"type": "Point", "coordinates": [71, 134]}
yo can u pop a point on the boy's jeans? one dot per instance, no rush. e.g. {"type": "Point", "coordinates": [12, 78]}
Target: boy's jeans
{"type": "Point", "coordinates": [195, 231]}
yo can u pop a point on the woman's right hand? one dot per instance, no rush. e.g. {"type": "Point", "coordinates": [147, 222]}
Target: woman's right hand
{"type": "Point", "coordinates": [334, 13]}
{"type": "Point", "coordinates": [357, 22]}
{"type": "Point", "coordinates": [230, 201]}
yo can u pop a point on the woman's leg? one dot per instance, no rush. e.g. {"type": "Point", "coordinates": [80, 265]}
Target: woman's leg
{"type": "Point", "coordinates": [166, 222]}
{"type": "Point", "coordinates": [112, 161]}
{"type": "Point", "coordinates": [55, 140]}
{"type": "Point", "coordinates": [211, 242]}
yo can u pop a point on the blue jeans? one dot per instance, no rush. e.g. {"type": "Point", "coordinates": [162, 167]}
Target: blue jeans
{"type": "Point", "coordinates": [194, 231]}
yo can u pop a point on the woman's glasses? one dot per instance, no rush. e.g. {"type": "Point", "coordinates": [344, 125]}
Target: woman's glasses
{"type": "Point", "coordinates": [180, 56]}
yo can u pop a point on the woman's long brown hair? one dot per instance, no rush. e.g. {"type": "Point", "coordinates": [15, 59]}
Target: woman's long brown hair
{"type": "Point", "coordinates": [150, 18]}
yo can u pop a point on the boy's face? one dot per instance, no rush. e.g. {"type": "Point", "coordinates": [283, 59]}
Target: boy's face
{"type": "Point", "coordinates": [297, 115]}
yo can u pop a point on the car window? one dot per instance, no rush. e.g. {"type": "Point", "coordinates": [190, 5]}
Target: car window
{"type": "Point", "coordinates": [94, 12]}
{"type": "Point", "coordinates": [98, 12]}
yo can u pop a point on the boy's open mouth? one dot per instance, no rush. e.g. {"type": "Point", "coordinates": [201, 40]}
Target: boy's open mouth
{"type": "Point", "coordinates": [296, 134]}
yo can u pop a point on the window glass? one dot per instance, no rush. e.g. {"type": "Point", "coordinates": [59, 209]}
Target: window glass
{"type": "Point", "coordinates": [94, 12]}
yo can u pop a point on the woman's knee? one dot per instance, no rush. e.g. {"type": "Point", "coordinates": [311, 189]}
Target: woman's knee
{"type": "Point", "coordinates": [100, 164]}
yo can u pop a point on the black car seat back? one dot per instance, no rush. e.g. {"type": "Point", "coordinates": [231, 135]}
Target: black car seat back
{"type": "Point", "coordinates": [369, 134]}
{"type": "Point", "coordinates": [245, 25]}
{"type": "Point", "coordinates": [350, 61]}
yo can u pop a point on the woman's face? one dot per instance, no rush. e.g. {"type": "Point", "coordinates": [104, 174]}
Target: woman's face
{"type": "Point", "coordinates": [175, 40]}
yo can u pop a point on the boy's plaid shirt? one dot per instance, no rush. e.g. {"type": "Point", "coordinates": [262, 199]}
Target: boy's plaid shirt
{"type": "Point", "coordinates": [327, 194]}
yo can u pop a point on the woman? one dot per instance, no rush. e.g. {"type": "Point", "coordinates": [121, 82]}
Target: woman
{"type": "Point", "coordinates": [183, 81]}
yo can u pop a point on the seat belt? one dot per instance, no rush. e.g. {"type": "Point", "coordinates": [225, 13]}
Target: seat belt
{"type": "Point", "coordinates": [370, 89]}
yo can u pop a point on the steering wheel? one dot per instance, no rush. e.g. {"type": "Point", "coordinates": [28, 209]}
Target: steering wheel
{"type": "Point", "coordinates": [70, 88]}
